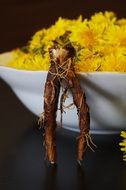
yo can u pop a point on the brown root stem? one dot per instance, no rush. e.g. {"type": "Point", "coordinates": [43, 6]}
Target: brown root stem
{"type": "Point", "coordinates": [62, 71]}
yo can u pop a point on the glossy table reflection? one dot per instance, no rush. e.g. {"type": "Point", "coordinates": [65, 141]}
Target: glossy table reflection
{"type": "Point", "coordinates": [22, 164]}
{"type": "Point", "coordinates": [26, 168]}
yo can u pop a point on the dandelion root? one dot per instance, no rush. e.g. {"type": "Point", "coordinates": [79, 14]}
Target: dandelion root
{"type": "Point", "coordinates": [61, 72]}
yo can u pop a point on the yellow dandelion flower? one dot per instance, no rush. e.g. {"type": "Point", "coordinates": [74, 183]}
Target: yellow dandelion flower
{"type": "Point", "coordinates": [116, 35]}
{"type": "Point", "coordinates": [30, 61]}
{"type": "Point", "coordinates": [123, 144]}
{"type": "Point", "coordinates": [37, 39]}
{"type": "Point", "coordinates": [99, 22]}
{"type": "Point", "coordinates": [87, 37]}
{"type": "Point", "coordinates": [121, 22]}
{"type": "Point", "coordinates": [114, 63]}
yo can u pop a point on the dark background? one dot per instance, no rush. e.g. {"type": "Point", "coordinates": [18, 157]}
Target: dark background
{"type": "Point", "coordinates": [21, 152]}
{"type": "Point", "coordinates": [20, 19]}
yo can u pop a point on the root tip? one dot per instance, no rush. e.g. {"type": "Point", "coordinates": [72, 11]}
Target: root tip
{"type": "Point", "coordinates": [53, 164]}
{"type": "Point", "coordinates": [79, 162]}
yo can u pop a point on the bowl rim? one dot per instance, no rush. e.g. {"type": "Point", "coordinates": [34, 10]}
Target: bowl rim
{"type": "Point", "coordinates": [78, 73]}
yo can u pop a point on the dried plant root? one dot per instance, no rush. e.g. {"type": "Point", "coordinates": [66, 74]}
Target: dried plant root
{"type": "Point", "coordinates": [50, 145]}
{"type": "Point", "coordinates": [61, 71]}
{"type": "Point", "coordinates": [84, 141]}
{"type": "Point", "coordinates": [79, 100]}
{"type": "Point", "coordinates": [62, 101]}
{"type": "Point", "coordinates": [51, 94]}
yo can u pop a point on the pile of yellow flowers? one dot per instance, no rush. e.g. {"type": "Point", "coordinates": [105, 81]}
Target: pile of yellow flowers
{"type": "Point", "coordinates": [101, 41]}
{"type": "Point", "coordinates": [123, 144]}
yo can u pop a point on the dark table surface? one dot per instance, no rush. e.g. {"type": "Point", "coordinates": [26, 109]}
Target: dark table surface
{"type": "Point", "coordinates": [22, 165]}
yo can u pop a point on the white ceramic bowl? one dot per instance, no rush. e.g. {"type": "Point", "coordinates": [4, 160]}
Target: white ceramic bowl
{"type": "Point", "coordinates": [105, 92]}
